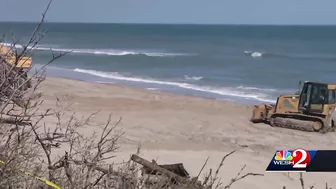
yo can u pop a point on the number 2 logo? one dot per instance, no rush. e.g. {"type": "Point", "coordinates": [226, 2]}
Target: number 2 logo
{"type": "Point", "coordinates": [301, 158]}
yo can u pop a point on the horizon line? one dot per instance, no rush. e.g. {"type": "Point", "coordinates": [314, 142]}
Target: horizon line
{"type": "Point", "coordinates": [157, 23]}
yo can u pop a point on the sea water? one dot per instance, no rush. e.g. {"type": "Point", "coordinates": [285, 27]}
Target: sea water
{"type": "Point", "coordinates": [246, 64]}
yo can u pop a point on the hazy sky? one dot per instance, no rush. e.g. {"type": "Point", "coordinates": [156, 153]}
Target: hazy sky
{"type": "Point", "coordinates": [174, 11]}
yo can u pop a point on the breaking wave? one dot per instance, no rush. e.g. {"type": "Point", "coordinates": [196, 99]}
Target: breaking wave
{"type": "Point", "coordinates": [108, 52]}
{"type": "Point", "coordinates": [256, 89]}
{"type": "Point", "coordinates": [225, 91]}
{"type": "Point", "coordinates": [194, 78]}
{"type": "Point", "coordinates": [256, 54]}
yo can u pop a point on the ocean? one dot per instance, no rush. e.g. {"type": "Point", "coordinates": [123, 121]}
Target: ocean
{"type": "Point", "coordinates": [240, 63]}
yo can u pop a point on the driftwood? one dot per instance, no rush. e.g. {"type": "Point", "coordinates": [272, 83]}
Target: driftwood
{"type": "Point", "coordinates": [14, 121]}
{"type": "Point", "coordinates": [176, 168]}
{"type": "Point", "coordinates": [174, 171]}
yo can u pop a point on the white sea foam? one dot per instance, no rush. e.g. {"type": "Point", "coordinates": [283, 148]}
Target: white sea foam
{"type": "Point", "coordinates": [256, 89]}
{"type": "Point", "coordinates": [110, 52]}
{"type": "Point", "coordinates": [152, 89]}
{"type": "Point", "coordinates": [105, 82]}
{"type": "Point", "coordinates": [195, 78]}
{"type": "Point", "coordinates": [215, 90]}
{"type": "Point", "coordinates": [255, 54]}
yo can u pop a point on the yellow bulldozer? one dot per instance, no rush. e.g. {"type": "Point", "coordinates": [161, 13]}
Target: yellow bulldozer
{"type": "Point", "coordinates": [8, 59]}
{"type": "Point", "coordinates": [311, 109]}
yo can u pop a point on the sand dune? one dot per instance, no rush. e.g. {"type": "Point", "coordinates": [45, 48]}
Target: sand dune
{"type": "Point", "coordinates": [176, 128]}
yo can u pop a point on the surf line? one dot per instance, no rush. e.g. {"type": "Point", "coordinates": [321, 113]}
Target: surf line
{"type": "Point", "coordinates": [47, 182]}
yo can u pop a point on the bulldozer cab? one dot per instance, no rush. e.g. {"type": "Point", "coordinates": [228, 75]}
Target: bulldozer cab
{"type": "Point", "coordinates": [314, 96]}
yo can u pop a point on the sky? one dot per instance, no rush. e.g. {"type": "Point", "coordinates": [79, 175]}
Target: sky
{"type": "Point", "coordinates": [278, 12]}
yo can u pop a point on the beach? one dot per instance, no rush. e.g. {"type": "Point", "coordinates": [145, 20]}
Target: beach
{"type": "Point", "coordinates": [174, 128]}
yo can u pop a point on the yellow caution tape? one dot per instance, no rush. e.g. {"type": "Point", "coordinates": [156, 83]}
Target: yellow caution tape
{"type": "Point", "coordinates": [38, 178]}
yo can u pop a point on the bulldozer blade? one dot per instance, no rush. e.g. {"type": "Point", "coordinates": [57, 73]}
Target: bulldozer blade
{"type": "Point", "coordinates": [259, 113]}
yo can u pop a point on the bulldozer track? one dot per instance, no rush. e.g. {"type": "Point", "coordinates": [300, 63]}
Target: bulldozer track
{"type": "Point", "coordinates": [291, 123]}
{"type": "Point", "coordinates": [299, 122]}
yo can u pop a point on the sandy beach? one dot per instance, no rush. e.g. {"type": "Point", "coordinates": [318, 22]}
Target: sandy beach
{"type": "Point", "coordinates": [185, 129]}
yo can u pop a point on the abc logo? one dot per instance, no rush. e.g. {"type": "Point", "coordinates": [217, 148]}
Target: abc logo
{"type": "Point", "coordinates": [301, 158]}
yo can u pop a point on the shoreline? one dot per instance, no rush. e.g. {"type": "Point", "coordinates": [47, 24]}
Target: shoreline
{"type": "Point", "coordinates": [249, 103]}
{"type": "Point", "coordinates": [237, 94]}
{"type": "Point", "coordinates": [157, 92]}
